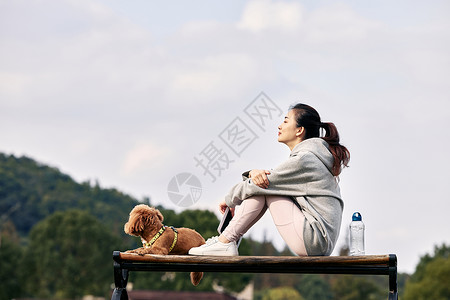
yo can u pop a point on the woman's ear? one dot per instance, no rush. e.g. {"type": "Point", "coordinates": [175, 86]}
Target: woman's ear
{"type": "Point", "coordinates": [300, 131]}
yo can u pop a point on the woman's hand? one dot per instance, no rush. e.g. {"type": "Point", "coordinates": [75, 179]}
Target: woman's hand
{"type": "Point", "coordinates": [223, 206]}
{"type": "Point", "coordinates": [259, 178]}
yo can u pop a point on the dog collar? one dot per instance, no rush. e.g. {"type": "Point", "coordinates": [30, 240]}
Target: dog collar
{"type": "Point", "coordinates": [160, 232]}
{"type": "Point", "coordinates": [175, 238]}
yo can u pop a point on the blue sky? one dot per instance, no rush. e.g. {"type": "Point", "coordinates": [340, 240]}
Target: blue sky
{"type": "Point", "coordinates": [128, 93]}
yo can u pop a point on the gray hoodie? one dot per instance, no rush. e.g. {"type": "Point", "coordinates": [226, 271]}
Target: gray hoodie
{"type": "Point", "coordinates": [306, 177]}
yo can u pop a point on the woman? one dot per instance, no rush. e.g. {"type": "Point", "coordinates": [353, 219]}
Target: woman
{"type": "Point", "coordinates": [302, 194]}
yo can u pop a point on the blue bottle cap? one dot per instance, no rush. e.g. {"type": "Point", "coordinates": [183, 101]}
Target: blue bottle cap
{"type": "Point", "coordinates": [356, 217]}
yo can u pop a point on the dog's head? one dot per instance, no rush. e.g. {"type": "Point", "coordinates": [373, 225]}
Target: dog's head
{"type": "Point", "coordinates": [143, 217]}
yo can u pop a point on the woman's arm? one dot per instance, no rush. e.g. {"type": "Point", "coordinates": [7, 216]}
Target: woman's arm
{"type": "Point", "coordinates": [259, 177]}
{"type": "Point", "coordinates": [300, 175]}
{"type": "Point", "coordinates": [223, 206]}
{"type": "Point", "coordinates": [283, 180]}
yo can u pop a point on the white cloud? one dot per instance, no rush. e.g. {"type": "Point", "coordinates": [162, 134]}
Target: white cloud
{"type": "Point", "coordinates": [13, 85]}
{"type": "Point", "coordinates": [265, 15]}
{"type": "Point", "coordinates": [144, 156]}
{"type": "Point", "coordinates": [205, 76]}
{"type": "Point", "coordinates": [338, 24]}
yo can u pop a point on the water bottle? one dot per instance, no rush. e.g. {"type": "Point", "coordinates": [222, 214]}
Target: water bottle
{"type": "Point", "coordinates": [357, 235]}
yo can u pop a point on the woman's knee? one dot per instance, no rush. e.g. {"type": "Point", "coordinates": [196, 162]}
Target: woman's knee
{"type": "Point", "coordinates": [282, 209]}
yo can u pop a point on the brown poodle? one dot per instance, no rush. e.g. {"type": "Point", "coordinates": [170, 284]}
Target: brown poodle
{"type": "Point", "coordinates": [146, 222]}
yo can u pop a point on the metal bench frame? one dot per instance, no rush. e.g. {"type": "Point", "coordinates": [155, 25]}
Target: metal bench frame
{"type": "Point", "coordinates": [364, 265]}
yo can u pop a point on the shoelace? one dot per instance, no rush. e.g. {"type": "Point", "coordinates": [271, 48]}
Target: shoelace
{"type": "Point", "coordinates": [211, 240]}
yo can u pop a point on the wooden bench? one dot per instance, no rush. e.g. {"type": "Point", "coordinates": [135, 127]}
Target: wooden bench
{"type": "Point", "coordinates": [366, 265]}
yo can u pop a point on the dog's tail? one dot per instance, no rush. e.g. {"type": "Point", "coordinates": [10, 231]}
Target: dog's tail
{"type": "Point", "coordinates": [196, 277]}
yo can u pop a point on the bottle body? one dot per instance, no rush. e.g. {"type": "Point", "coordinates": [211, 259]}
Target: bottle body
{"type": "Point", "coordinates": [357, 236]}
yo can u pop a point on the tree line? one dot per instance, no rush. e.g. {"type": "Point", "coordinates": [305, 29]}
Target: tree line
{"type": "Point", "coordinates": [57, 238]}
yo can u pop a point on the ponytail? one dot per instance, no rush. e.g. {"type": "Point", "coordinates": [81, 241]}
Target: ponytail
{"type": "Point", "coordinates": [340, 152]}
{"type": "Point", "coordinates": [308, 118]}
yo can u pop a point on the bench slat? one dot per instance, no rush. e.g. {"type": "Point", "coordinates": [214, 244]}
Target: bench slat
{"type": "Point", "coordinates": [250, 260]}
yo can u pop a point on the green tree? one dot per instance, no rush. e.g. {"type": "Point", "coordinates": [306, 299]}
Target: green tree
{"type": "Point", "coordinates": [68, 256]}
{"type": "Point", "coordinates": [204, 222]}
{"type": "Point", "coordinates": [265, 248]}
{"type": "Point", "coordinates": [282, 293]}
{"type": "Point", "coordinates": [313, 287]}
{"type": "Point", "coordinates": [431, 277]}
{"type": "Point", "coordinates": [10, 255]}
{"type": "Point", "coordinates": [353, 287]}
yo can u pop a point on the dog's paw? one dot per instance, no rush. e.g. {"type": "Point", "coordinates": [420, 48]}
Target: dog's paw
{"type": "Point", "coordinates": [141, 251]}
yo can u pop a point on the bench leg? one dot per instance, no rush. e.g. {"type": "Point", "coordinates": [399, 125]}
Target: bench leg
{"type": "Point", "coordinates": [393, 289]}
{"type": "Point", "coordinates": [393, 293]}
{"type": "Point", "coordinates": [119, 294]}
{"type": "Point", "coordinates": [120, 281]}
{"type": "Point", "coordinates": [393, 296]}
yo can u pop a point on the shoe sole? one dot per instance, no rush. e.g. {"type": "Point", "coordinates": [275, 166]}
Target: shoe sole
{"type": "Point", "coordinates": [213, 253]}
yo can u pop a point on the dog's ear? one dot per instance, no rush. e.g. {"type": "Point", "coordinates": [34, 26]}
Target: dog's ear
{"type": "Point", "coordinates": [135, 225]}
{"type": "Point", "coordinates": [139, 224]}
{"type": "Point", "coordinates": [159, 215]}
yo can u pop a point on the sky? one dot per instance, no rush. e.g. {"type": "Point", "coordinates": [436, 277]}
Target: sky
{"type": "Point", "coordinates": [143, 95]}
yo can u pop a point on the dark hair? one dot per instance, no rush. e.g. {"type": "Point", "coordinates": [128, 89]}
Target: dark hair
{"type": "Point", "coordinates": [308, 118]}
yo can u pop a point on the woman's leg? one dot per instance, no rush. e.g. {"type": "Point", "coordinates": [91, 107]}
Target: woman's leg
{"type": "Point", "coordinates": [289, 220]}
{"type": "Point", "coordinates": [247, 214]}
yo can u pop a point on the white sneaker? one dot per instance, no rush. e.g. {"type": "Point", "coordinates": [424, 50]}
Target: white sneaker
{"type": "Point", "coordinates": [215, 247]}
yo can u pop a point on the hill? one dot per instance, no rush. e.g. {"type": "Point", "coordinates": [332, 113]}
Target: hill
{"type": "Point", "coordinates": [31, 191]}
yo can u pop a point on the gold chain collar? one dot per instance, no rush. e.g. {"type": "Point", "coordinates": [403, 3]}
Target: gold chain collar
{"type": "Point", "coordinates": [160, 232]}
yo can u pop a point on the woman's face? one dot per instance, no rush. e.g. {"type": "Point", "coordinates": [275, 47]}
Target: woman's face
{"type": "Point", "coordinates": [288, 132]}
